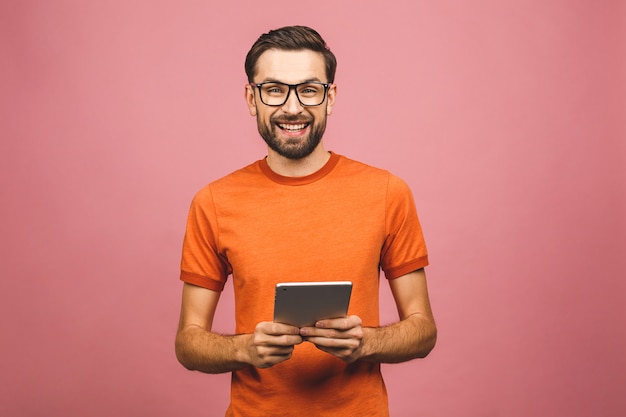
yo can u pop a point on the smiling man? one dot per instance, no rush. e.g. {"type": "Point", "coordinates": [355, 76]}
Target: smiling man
{"type": "Point", "coordinates": [302, 214]}
{"type": "Point", "coordinates": [292, 125]}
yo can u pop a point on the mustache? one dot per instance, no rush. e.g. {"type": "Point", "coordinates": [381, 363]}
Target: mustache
{"type": "Point", "coordinates": [291, 119]}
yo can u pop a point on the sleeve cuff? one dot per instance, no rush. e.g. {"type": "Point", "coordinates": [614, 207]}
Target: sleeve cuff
{"type": "Point", "coordinates": [406, 268]}
{"type": "Point", "coordinates": [202, 281]}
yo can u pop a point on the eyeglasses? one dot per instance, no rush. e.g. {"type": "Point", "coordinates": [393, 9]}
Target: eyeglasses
{"type": "Point", "coordinates": [309, 93]}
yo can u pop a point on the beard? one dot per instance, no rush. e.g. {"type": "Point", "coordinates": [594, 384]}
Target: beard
{"type": "Point", "coordinates": [292, 148]}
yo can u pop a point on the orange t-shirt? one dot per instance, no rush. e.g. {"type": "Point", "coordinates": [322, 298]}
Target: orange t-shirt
{"type": "Point", "coordinates": [343, 223]}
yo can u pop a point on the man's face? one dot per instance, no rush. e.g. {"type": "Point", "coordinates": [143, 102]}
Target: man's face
{"type": "Point", "coordinates": [291, 130]}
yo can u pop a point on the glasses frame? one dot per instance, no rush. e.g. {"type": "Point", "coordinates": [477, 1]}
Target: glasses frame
{"type": "Point", "coordinates": [293, 87]}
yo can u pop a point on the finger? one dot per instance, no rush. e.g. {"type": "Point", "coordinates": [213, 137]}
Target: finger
{"type": "Point", "coordinates": [331, 333]}
{"type": "Point", "coordinates": [275, 351]}
{"type": "Point", "coordinates": [335, 343]}
{"type": "Point", "coordinates": [345, 353]}
{"type": "Point", "coordinates": [343, 323]}
{"type": "Point", "coordinates": [277, 329]}
{"type": "Point", "coordinates": [312, 332]}
{"type": "Point", "coordinates": [269, 358]}
{"type": "Point", "coordinates": [285, 340]}
{"type": "Point", "coordinates": [263, 339]}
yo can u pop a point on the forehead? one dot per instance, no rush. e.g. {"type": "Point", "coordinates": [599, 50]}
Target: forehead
{"type": "Point", "coordinates": [291, 67]}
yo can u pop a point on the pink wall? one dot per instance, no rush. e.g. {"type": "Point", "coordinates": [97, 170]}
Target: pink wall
{"type": "Point", "coordinates": [507, 119]}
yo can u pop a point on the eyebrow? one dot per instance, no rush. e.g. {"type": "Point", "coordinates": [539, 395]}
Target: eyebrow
{"type": "Point", "coordinates": [273, 80]}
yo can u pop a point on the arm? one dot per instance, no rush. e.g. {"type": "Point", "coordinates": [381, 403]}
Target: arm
{"type": "Point", "coordinates": [414, 336]}
{"type": "Point", "coordinates": [197, 348]}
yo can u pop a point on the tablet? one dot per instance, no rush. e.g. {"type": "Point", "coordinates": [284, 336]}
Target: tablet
{"type": "Point", "coordinates": [301, 304]}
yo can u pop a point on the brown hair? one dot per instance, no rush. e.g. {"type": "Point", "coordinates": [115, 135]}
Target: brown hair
{"type": "Point", "coordinates": [291, 38]}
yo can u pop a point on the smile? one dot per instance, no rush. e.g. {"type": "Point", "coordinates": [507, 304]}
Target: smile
{"type": "Point", "coordinates": [292, 127]}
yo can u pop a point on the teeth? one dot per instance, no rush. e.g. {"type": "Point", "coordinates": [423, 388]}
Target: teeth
{"type": "Point", "coordinates": [293, 127]}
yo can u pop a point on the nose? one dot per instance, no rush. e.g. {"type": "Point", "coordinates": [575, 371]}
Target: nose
{"type": "Point", "coordinates": [292, 105]}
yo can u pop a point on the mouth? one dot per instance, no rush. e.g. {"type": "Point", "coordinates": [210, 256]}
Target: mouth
{"type": "Point", "coordinates": [292, 127]}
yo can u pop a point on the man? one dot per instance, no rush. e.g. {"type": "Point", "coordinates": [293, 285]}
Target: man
{"type": "Point", "coordinates": [302, 214]}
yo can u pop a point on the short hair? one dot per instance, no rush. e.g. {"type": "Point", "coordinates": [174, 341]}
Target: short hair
{"type": "Point", "coordinates": [291, 38]}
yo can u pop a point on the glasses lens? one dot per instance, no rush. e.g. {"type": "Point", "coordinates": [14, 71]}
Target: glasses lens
{"type": "Point", "coordinates": [309, 94]}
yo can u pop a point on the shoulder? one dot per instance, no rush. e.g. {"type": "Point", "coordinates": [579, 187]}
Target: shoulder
{"type": "Point", "coordinates": [360, 171]}
{"type": "Point", "coordinates": [248, 176]}
{"type": "Point", "coordinates": [372, 175]}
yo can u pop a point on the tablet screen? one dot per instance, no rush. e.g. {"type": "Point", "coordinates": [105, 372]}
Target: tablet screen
{"type": "Point", "coordinates": [303, 303]}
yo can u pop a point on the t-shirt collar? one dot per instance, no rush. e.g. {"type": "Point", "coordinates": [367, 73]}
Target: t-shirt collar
{"type": "Point", "coordinates": [307, 179]}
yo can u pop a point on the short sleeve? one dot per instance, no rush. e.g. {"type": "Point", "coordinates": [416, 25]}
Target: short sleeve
{"type": "Point", "coordinates": [202, 264]}
{"type": "Point", "coordinates": [404, 249]}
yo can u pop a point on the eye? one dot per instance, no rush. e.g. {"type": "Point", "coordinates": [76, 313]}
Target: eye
{"type": "Point", "coordinates": [273, 89]}
{"type": "Point", "coordinates": [309, 89]}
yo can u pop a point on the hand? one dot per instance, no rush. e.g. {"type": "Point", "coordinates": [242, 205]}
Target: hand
{"type": "Point", "coordinates": [272, 343]}
{"type": "Point", "coordinates": [341, 337]}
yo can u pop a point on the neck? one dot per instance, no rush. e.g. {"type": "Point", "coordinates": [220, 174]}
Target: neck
{"type": "Point", "coordinates": [298, 167]}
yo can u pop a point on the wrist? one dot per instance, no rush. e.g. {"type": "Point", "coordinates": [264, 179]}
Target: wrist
{"type": "Point", "coordinates": [369, 334]}
{"type": "Point", "coordinates": [241, 348]}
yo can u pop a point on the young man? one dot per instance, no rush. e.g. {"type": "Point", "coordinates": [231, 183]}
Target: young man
{"type": "Point", "coordinates": [302, 214]}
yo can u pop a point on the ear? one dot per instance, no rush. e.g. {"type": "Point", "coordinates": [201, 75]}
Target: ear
{"type": "Point", "coordinates": [250, 101]}
{"type": "Point", "coordinates": [331, 97]}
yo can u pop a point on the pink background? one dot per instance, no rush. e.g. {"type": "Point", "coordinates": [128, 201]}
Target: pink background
{"type": "Point", "coordinates": [507, 119]}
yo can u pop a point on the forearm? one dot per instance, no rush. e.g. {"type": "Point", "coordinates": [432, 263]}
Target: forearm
{"type": "Point", "coordinates": [413, 337]}
{"type": "Point", "coordinates": [200, 350]}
